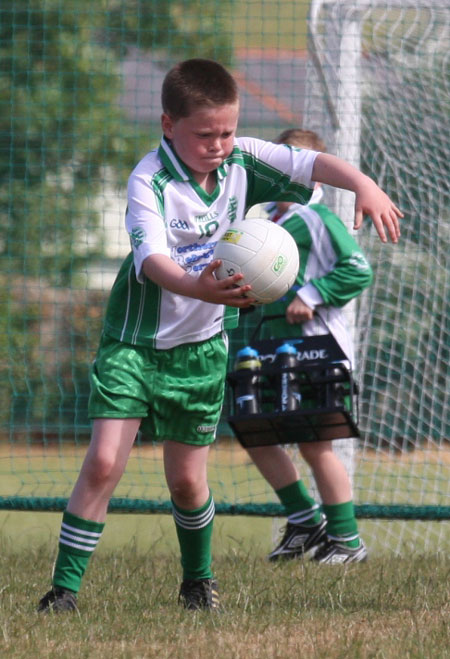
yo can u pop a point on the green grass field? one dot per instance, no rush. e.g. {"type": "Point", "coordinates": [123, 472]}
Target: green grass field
{"type": "Point", "coordinates": [388, 607]}
{"type": "Point", "coordinates": [422, 477]}
{"type": "Point", "coordinates": [128, 601]}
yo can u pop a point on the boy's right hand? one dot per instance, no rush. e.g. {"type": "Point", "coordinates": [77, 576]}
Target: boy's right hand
{"type": "Point", "coordinates": [168, 274]}
{"type": "Point", "coordinates": [222, 291]}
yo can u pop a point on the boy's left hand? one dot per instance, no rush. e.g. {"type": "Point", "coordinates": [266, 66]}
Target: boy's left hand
{"type": "Point", "coordinates": [298, 312]}
{"type": "Point", "coordinates": [371, 200]}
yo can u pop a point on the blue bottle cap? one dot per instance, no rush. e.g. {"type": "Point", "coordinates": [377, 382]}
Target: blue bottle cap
{"type": "Point", "coordinates": [248, 351]}
{"type": "Point", "coordinates": [286, 348]}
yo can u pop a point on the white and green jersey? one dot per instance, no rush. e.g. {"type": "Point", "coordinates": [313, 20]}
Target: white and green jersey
{"type": "Point", "coordinates": [169, 213]}
{"type": "Point", "coordinates": [333, 270]}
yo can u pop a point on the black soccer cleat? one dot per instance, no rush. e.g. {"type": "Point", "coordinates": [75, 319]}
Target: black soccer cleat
{"type": "Point", "coordinates": [298, 539]}
{"type": "Point", "coordinates": [333, 552]}
{"type": "Point", "coordinates": [196, 594]}
{"type": "Point", "coordinates": [58, 600]}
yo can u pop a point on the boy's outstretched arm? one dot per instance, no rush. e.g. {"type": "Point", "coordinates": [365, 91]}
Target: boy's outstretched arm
{"type": "Point", "coordinates": [370, 199]}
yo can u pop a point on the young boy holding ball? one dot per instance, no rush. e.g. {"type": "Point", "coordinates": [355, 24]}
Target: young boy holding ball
{"type": "Point", "coordinates": [162, 359]}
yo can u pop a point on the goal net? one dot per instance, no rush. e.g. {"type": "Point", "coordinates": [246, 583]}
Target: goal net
{"type": "Point", "coordinates": [378, 90]}
{"type": "Point", "coordinates": [81, 105]}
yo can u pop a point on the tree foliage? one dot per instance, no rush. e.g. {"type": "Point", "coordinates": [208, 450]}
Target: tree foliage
{"type": "Point", "coordinates": [60, 123]}
{"type": "Point", "coordinates": [63, 137]}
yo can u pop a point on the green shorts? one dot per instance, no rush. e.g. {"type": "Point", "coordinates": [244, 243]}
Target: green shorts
{"type": "Point", "coordinates": [178, 393]}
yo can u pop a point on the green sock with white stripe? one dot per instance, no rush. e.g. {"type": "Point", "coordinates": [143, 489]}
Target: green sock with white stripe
{"type": "Point", "coordinates": [77, 541]}
{"type": "Point", "coordinates": [341, 523]}
{"type": "Point", "coordinates": [194, 530]}
{"type": "Point", "coordinates": [300, 507]}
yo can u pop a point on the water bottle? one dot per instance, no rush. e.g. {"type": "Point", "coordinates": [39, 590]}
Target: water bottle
{"type": "Point", "coordinates": [336, 391]}
{"type": "Point", "coordinates": [288, 396]}
{"type": "Point", "coordinates": [247, 390]}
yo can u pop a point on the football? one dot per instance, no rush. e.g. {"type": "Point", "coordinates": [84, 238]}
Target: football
{"type": "Point", "coordinates": [264, 252]}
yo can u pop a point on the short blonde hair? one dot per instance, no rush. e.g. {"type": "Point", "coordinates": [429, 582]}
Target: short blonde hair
{"type": "Point", "coordinates": [304, 139]}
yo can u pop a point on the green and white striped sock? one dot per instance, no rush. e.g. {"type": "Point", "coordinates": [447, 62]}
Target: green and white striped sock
{"type": "Point", "coordinates": [341, 523]}
{"type": "Point", "coordinates": [194, 531]}
{"type": "Point", "coordinates": [77, 541]}
{"type": "Point", "coordinates": [300, 507]}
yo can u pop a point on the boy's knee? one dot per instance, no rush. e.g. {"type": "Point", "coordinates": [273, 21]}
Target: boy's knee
{"type": "Point", "coordinates": [314, 451]}
{"type": "Point", "coordinates": [101, 469]}
{"type": "Point", "coordinates": [186, 488]}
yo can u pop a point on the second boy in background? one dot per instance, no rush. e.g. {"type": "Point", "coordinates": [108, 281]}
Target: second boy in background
{"type": "Point", "coordinates": [333, 271]}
